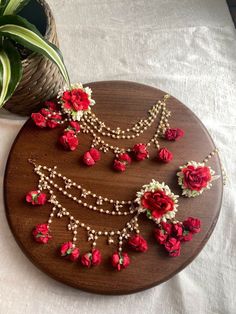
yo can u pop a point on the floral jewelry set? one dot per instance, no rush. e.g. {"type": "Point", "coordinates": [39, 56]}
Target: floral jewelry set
{"type": "Point", "coordinates": [155, 200]}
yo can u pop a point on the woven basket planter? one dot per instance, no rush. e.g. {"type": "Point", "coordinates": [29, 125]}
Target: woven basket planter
{"type": "Point", "coordinates": [41, 78]}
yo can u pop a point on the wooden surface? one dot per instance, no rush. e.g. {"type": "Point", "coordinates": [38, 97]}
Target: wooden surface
{"type": "Point", "coordinates": [118, 104]}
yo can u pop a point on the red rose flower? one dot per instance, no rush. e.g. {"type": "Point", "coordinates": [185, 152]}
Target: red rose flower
{"type": "Point", "coordinates": [86, 260]}
{"type": "Point", "coordinates": [157, 202]}
{"type": "Point", "coordinates": [186, 236]}
{"type": "Point", "coordinates": [91, 157]}
{"type": "Point", "coordinates": [96, 257]}
{"type": "Point", "coordinates": [45, 112]}
{"type": "Point", "coordinates": [120, 260]}
{"type": "Point", "coordinates": [196, 179]}
{"type": "Point", "coordinates": [140, 151]}
{"type": "Point", "coordinates": [166, 226]}
{"type": "Point", "coordinates": [74, 254]}
{"type": "Point", "coordinates": [164, 155]}
{"type": "Point", "coordinates": [76, 99]}
{"type": "Point", "coordinates": [192, 224]}
{"type": "Point", "coordinates": [119, 165]}
{"type": "Point", "coordinates": [177, 230]}
{"type": "Point", "coordinates": [173, 247]}
{"type": "Point", "coordinates": [68, 251]}
{"type": "Point", "coordinates": [36, 198]}
{"type": "Point", "coordinates": [69, 140]}
{"type": "Point", "coordinates": [75, 126]}
{"type": "Point", "coordinates": [54, 120]}
{"type": "Point", "coordinates": [124, 157]}
{"type": "Point", "coordinates": [173, 134]}
{"type": "Point", "coordinates": [121, 161]}
{"type": "Point", "coordinates": [160, 235]}
{"type": "Point", "coordinates": [138, 243]}
{"type": "Point", "coordinates": [41, 233]}
{"type": "Point", "coordinates": [39, 119]}
{"type": "Point", "coordinates": [92, 258]}
{"type": "Point", "coordinates": [52, 106]}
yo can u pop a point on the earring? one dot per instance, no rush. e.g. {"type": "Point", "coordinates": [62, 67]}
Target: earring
{"type": "Point", "coordinates": [195, 177]}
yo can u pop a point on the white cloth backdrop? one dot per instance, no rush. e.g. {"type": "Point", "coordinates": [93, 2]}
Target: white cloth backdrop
{"type": "Point", "coordinates": [186, 48]}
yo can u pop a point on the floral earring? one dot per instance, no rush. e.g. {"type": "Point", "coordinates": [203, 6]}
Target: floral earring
{"type": "Point", "coordinates": [195, 177]}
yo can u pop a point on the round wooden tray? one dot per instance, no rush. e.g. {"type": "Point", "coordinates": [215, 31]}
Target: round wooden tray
{"type": "Point", "coordinates": [121, 104]}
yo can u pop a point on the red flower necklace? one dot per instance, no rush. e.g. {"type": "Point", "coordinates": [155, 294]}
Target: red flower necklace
{"type": "Point", "coordinates": [155, 200]}
{"type": "Point", "coordinates": [74, 107]}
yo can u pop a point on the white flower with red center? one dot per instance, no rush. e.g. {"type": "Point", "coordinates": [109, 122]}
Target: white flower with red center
{"type": "Point", "coordinates": [157, 200]}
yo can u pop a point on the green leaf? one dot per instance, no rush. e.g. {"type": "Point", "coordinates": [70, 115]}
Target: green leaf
{"type": "Point", "coordinates": [26, 34]}
{"type": "Point", "coordinates": [14, 6]}
{"type": "Point", "coordinates": [10, 71]}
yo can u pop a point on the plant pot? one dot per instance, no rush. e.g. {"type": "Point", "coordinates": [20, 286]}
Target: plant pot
{"type": "Point", "coordinates": [41, 78]}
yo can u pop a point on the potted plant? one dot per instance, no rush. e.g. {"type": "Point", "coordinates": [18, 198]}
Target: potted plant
{"type": "Point", "coordinates": [29, 63]}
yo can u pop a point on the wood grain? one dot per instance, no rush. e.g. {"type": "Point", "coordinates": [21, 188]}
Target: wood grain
{"type": "Point", "coordinates": [121, 104]}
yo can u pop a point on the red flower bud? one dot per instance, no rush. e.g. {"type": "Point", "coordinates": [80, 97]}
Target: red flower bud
{"type": "Point", "coordinates": [120, 260]}
{"type": "Point", "coordinates": [173, 134]}
{"type": "Point", "coordinates": [119, 165]}
{"type": "Point", "coordinates": [41, 233]}
{"type": "Point", "coordinates": [173, 247]}
{"type": "Point", "coordinates": [92, 258]}
{"type": "Point", "coordinates": [75, 126]}
{"type": "Point", "coordinates": [69, 251]}
{"type": "Point", "coordinates": [164, 155]}
{"type": "Point", "coordinates": [138, 243]}
{"type": "Point", "coordinates": [39, 119]}
{"type": "Point", "coordinates": [69, 140]}
{"type": "Point", "coordinates": [36, 198]}
{"type": "Point", "coordinates": [192, 224]}
{"type": "Point", "coordinates": [140, 151]}
{"type": "Point", "coordinates": [91, 157]}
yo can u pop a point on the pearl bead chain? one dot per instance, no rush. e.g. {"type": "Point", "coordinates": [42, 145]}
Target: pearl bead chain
{"type": "Point", "coordinates": [206, 159]}
{"type": "Point", "coordinates": [93, 235]}
{"type": "Point", "coordinates": [91, 124]}
{"type": "Point", "coordinates": [47, 180]}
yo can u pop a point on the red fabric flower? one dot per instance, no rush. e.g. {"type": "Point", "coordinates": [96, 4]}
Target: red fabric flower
{"type": "Point", "coordinates": [196, 179]}
{"type": "Point", "coordinates": [167, 227]}
{"type": "Point", "coordinates": [75, 126]}
{"type": "Point", "coordinates": [140, 151]}
{"type": "Point", "coordinates": [120, 260]}
{"type": "Point", "coordinates": [91, 157]}
{"type": "Point", "coordinates": [92, 258]}
{"type": "Point", "coordinates": [173, 134]}
{"type": "Point", "coordinates": [54, 120]}
{"type": "Point", "coordinates": [45, 112]}
{"type": "Point", "coordinates": [39, 119]}
{"type": "Point", "coordinates": [138, 243]}
{"type": "Point", "coordinates": [119, 165]}
{"type": "Point", "coordinates": [68, 251]}
{"type": "Point", "coordinates": [69, 140]}
{"type": "Point", "coordinates": [177, 230]}
{"type": "Point", "coordinates": [157, 202]}
{"type": "Point", "coordinates": [164, 155]}
{"type": "Point", "coordinates": [36, 198]}
{"type": "Point", "coordinates": [186, 236]}
{"type": "Point", "coordinates": [124, 157]}
{"type": "Point", "coordinates": [76, 99]}
{"type": "Point", "coordinates": [51, 105]}
{"type": "Point", "coordinates": [173, 247]}
{"type": "Point", "coordinates": [121, 162]}
{"type": "Point", "coordinates": [160, 235]}
{"type": "Point", "coordinates": [192, 224]}
{"type": "Point", "coordinates": [41, 233]}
